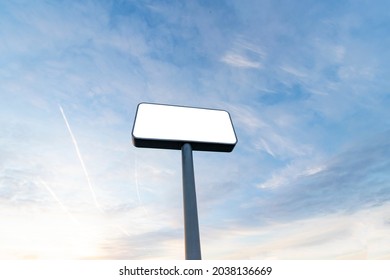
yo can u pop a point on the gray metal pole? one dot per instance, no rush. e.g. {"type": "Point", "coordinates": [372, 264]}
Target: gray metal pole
{"type": "Point", "coordinates": [191, 227]}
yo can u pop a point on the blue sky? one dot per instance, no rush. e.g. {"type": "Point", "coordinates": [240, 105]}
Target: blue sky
{"type": "Point", "coordinates": [306, 84]}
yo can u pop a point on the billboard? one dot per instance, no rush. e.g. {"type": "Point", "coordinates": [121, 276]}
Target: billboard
{"type": "Point", "coordinates": [169, 127]}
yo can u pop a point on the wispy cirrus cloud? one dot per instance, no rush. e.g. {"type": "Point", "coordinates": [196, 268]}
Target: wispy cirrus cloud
{"type": "Point", "coordinates": [240, 61]}
{"type": "Point", "coordinates": [361, 235]}
{"type": "Point", "coordinates": [353, 179]}
{"type": "Point", "coordinates": [244, 55]}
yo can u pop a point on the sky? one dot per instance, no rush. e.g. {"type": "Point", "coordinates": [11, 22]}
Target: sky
{"type": "Point", "coordinates": [305, 82]}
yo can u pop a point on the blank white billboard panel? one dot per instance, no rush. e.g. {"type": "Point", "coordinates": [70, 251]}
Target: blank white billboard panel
{"type": "Point", "coordinates": [169, 127]}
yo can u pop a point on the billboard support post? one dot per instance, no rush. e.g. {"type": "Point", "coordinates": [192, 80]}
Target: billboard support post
{"type": "Point", "coordinates": [191, 225]}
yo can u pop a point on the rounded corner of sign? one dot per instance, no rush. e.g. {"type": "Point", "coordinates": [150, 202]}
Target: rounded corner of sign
{"type": "Point", "coordinates": [140, 105]}
{"type": "Point", "coordinates": [137, 138]}
{"type": "Point", "coordinates": [138, 142]}
{"type": "Point", "coordinates": [134, 140]}
{"type": "Point", "coordinates": [234, 139]}
{"type": "Point", "coordinates": [227, 112]}
{"type": "Point", "coordinates": [143, 104]}
{"type": "Point", "coordinates": [232, 146]}
{"type": "Point", "coordinates": [134, 134]}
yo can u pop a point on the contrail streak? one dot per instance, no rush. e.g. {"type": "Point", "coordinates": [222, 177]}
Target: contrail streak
{"type": "Point", "coordinates": [52, 193]}
{"type": "Point", "coordinates": [81, 159]}
{"type": "Point", "coordinates": [137, 184]}
{"type": "Point", "coordinates": [85, 171]}
{"type": "Point", "coordinates": [66, 210]}
{"type": "Point", "coordinates": [136, 179]}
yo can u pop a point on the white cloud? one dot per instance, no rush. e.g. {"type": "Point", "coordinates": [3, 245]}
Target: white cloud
{"type": "Point", "coordinates": [240, 61]}
{"type": "Point", "coordinates": [275, 131]}
{"type": "Point", "coordinates": [244, 54]}
{"type": "Point", "coordinates": [361, 235]}
{"type": "Point", "coordinates": [282, 178]}
{"type": "Point", "coordinates": [293, 71]}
